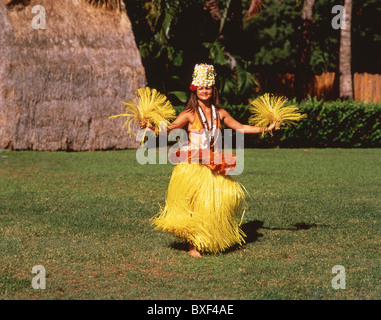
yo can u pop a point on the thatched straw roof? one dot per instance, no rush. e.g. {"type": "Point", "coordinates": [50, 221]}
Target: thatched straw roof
{"type": "Point", "coordinates": [59, 85]}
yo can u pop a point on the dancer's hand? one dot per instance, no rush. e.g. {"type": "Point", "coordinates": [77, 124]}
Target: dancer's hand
{"type": "Point", "coordinates": [145, 124]}
{"type": "Point", "coordinates": [275, 125]}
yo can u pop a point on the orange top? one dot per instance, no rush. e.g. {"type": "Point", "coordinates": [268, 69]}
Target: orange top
{"type": "Point", "coordinates": [197, 124]}
{"type": "Point", "coordinates": [214, 160]}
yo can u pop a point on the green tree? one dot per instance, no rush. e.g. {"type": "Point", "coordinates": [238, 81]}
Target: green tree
{"type": "Point", "coordinates": [174, 35]}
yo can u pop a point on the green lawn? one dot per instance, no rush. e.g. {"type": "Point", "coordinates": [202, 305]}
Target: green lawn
{"type": "Point", "coordinates": [85, 218]}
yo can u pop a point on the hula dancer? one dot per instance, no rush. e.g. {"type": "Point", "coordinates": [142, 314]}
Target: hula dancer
{"type": "Point", "coordinates": [203, 204]}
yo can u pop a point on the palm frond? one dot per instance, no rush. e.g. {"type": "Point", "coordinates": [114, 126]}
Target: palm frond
{"type": "Point", "coordinates": [269, 108]}
{"type": "Point", "coordinates": [213, 8]}
{"type": "Point", "coordinates": [161, 17]}
{"type": "Point", "coordinates": [255, 7]}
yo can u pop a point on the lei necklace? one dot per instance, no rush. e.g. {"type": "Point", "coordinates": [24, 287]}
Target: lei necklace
{"type": "Point", "coordinates": [210, 134]}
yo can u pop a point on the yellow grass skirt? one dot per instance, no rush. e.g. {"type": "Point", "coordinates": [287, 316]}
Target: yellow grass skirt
{"type": "Point", "coordinates": [203, 207]}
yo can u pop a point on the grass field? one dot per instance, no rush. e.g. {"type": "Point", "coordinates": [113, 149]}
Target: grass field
{"type": "Point", "coordinates": [85, 218]}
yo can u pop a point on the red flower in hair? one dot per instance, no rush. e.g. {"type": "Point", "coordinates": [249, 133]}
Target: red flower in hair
{"type": "Point", "coordinates": [192, 87]}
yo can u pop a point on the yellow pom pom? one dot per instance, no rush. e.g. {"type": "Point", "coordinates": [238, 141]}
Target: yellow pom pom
{"type": "Point", "coordinates": [149, 105]}
{"type": "Point", "coordinates": [269, 108]}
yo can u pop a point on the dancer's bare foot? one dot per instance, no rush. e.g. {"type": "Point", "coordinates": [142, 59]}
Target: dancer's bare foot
{"type": "Point", "coordinates": [193, 252]}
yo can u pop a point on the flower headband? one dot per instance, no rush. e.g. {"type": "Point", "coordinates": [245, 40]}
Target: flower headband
{"type": "Point", "coordinates": [203, 75]}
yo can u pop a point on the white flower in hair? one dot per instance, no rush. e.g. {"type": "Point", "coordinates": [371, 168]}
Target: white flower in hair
{"type": "Point", "coordinates": [203, 75]}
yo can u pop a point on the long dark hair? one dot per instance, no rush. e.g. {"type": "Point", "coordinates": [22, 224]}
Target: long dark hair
{"type": "Point", "coordinates": [192, 102]}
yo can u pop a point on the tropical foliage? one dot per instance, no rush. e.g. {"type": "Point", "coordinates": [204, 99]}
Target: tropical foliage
{"type": "Point", "coordinates": [245, 44]}
{"type": "Point", "coordinates": [332, 124]}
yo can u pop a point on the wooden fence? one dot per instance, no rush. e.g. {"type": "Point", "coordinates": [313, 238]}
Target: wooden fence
{"type": "Point", "coordinates": [366, 86]}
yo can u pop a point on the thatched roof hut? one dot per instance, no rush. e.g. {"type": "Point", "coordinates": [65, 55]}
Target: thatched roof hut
{"type": "Point", "coordinates": [59, 85]}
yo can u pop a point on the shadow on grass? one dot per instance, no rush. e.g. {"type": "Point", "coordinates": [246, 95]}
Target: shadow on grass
{"type": "Point", "coordinates": [251, 230]}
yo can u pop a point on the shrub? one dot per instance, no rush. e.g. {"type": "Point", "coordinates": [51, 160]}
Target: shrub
{"type": "Point", "coordinates": [334, 124]}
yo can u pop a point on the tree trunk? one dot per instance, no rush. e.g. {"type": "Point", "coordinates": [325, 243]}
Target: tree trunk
{"type": "Point", "coordinates": [304, 73]}
{"type": "Point", "coordinates": [346, 87]}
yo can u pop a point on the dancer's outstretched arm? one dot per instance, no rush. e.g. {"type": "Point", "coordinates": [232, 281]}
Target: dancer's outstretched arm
{"type": "Point", "coordinates": [182, 119]}
{"type": "Point", "coordinates": [230, 122]}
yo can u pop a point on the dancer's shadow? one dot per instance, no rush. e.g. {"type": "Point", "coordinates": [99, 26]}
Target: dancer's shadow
{"type": "Point", "coordinates": [181, 246]}
{"type": "Point", "coordinates": [251, 231]}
